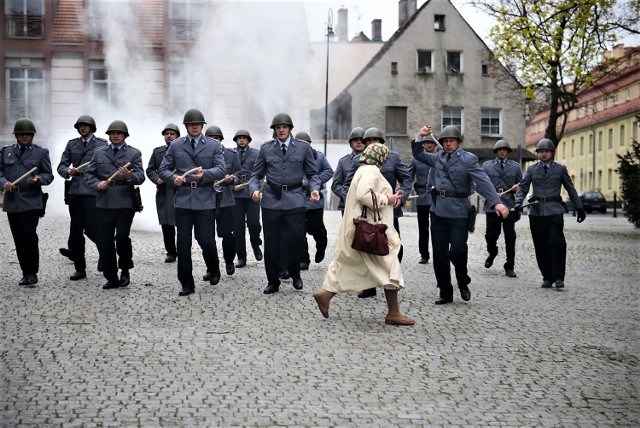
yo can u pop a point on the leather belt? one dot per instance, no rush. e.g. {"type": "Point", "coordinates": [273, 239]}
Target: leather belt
{"type": "Point", "coordinates": [244, 177]}
{"type": "Point", "coordinates": [545, 198]}
{"type": "Point", "coordinates": [118, 183]}
{"type": "Point", "coordinates": [284, 187]}
{"type": "Point", "coordinates": [445, 194]}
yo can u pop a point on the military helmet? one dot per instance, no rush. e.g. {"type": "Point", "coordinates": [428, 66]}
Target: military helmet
{"type": "Point", "coordinates": [545, 144]}
{"type": "Point", "coordinates": [281, 119]}
{"type": "Point", "coordinates": [242, 133]}
{"type": "Point", "coordinates": [356, 132]}
{"type": "Point", "coordinates": [118, 125]}
{"type": "Point", "coordinates": [502, 144]}
{"type": "Point", "coordinates": [373, 133]}
{"type": "Point", "coordinates": [214, 131]}
{"type": "Point", "coordinates": [193, 116]}
{"type": "Point", "coordinates": [86, 119]}
{"type": "Point", "coordinates": [24, 126]}
{"type": "Point", "coordinates": [303, 136]}
{"type": "Point", "coordinates": [171, 127]}
{"type": "Point", "coordinates": [451, 131]}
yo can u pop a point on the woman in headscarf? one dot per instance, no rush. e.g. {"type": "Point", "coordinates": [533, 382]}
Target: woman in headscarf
{"type": "Point", "coordinates": [352, 270]}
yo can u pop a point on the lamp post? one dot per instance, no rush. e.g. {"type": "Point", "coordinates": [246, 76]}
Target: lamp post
{"type": "Point", "coordinates": [330, 34]}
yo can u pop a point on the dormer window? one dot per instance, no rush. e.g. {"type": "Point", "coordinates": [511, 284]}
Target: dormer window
{"type": "Point", "coordinates": [438, 22]}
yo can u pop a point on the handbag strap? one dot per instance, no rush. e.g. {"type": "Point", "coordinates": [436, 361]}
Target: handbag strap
{"type": "Point", "coordinates": [376, 211]}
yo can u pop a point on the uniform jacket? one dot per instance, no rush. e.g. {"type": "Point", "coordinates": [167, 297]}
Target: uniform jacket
{"type": "Point", "coordinates": [503, 179]}
{"type": "Point", "coordinates": [103, 164]}
{"type": "Point", "coordinates": [455, 176]}
{"type": "Point", "coordinates": [27, 197]}
{"type": "Point", "coordinates": [244, 173]}
{"type": "Point", "coordinates": [394, 170]}
{"type": "Point", "coordinates": [289, 169]}
{"type": "Point", "coordinates": [232, 166]}
{"type": "Point", "coordinates": [352, 270]}
{"type": "Point", "coordinates": [340, 175]}
{"type": "Point", "coordinates": [325, 172]}
{"type": "Point", "coordinates": [76, 154]}
{"type": "Point", "coordinates": [419, 172]}
{"type": "Point", "coordinates": [209, 155]}
{"type": "Point", "coordinates": [547, 185]}
{"type": "Point", "coordinates": [165, 193]}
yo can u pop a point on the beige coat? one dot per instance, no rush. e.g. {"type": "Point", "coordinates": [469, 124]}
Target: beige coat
{"type": "Point", "coordinates": [352, 270]}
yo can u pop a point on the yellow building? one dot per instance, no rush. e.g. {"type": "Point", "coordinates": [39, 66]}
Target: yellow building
{"type": "Point", "coordinates": [601, 126]}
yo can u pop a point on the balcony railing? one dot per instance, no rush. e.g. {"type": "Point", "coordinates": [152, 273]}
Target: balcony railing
{"type": "Point", "coordinates": [24, 26]}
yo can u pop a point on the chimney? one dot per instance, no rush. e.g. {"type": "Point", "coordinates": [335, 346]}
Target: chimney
{"type": "Point", "coordinates": [402, 13]}
{"type": "Point", "coordinates": [343, 24]}
{"type": "Point", "coordinates": [406, 10]}
{"type": "Point", "coordinates": [376, 30]}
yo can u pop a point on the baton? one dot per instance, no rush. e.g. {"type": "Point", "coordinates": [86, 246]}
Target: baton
{"type": "Point", "coordinates": [514, 187]}
{"type": "Point", "coordinates": [242, 185]}
{"type": "Point", "coordinates": [526, 205]}
{"type": "Point", "coordinates": [115, 174]}
{"type": "Point", "coordinates": [219, 182]}
{"type": "Point", "coordinates": [191, 171]}
{"type": "Point", "coordinates": [25, 175]}
{"type": "Point", "coordinates": [79, 167]}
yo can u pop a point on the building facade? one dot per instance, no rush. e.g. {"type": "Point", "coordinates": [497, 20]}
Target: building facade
{"type": "Point", "coordinates": [434, 70]}
{"type": "Point", "coordinates": [603, 124]}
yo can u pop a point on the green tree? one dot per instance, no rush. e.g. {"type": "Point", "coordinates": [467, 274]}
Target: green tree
{"type": "Point", "coordinates": [552, 46]}
{"type": "Point", "coordinates": [629, 170]}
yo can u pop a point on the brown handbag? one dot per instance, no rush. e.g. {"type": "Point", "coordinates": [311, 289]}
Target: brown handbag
{"type": "Point", "coordinates": [370, 238]}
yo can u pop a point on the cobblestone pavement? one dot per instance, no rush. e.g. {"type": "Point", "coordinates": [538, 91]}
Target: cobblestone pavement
{"type": "Point", "coordinates": [515, 355]}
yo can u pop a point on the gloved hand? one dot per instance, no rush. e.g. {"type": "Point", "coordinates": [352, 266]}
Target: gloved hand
{"type": "Point", "coordinates": [517, 207]}
{"type": "Point", "coordinates": [581, 216]}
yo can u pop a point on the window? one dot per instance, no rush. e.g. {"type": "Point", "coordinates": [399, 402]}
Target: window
{"type": "Point", "coordinates": [452, 116]}
{"type": "Point", "coordinates": [396, 120]}
{"type": "Point", "coordinates": [599, 141]}
{"type": "Point", "coordinates": [438, 23]}
{"type": "Point", "coordinates": [582, 144]}
{"type": "Point", "coordinates": [490, 121]}
{"type": "Point", "coordinates": [394, 68]}
{"type": "Point", "coordinates": [185, 17]}
{"type": "Point", "coordinates": [454, 62]}
{"type": "Point", "coordinates": [599, 186]}
{"type": "Point", "coordinates": [26, 93]}
{"type": "Point", "coordinates": [628, 94]}
{"type": "Point", "coordinates": [104, 87]}
{"type": "Point", "coordinates": [424, 61]}
{"type": "Point", "coordinates": [610, 139]}
{"type": "Point", "coordinates": [622, 136]}
{"type": "Point", "coordinates": [485, 70]}
{"type": "Point", "coordinates": [609, 178]}
{"type": "Point", "coordinates": [572, 147]}
{"type": "Point", "coordinates": [24, 19]}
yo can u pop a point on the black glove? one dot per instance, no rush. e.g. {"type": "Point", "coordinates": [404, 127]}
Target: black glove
{"type": "Point", "coordinates": [581, 216]}
{"type": "Point", "coordinates": [517, 207]}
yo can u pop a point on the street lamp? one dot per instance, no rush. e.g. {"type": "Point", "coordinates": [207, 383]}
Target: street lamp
{"type": "Point", "coordinates": [330, 34]}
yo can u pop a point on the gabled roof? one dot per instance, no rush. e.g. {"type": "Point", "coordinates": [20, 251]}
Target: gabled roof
{"type": "Point", "coordinates": [398, 34]}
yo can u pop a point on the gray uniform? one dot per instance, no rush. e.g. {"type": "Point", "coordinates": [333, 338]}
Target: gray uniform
{"type": "Point", "coordinates": [26, 197]}
{"type": "Point", "coordinates": [283, 204]}
{"type": "Point", "coordinates": [195, 201]}
{"type": "Point", "coordinates": [181, 157]}
{"type": "Point", "coordinates": [24, 206]}
{"type": "Point", "coordinates": [76, 154]}
{"type": "Point", "coordinates": [104, 164]}
{"type": "Point", "coordinates": [345, 164]}
{"type": "Point", "coordinates": [546, 219]}
{"type": "Point", "coordinates": [165, 193]}
{"type": "Point", "coordinates": [419, 172]}
{"type": "Point", "coordinates": [244, 173]}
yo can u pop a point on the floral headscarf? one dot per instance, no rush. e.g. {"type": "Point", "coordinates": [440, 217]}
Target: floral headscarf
{"type": "Point", "coordinates": [374, 154]}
